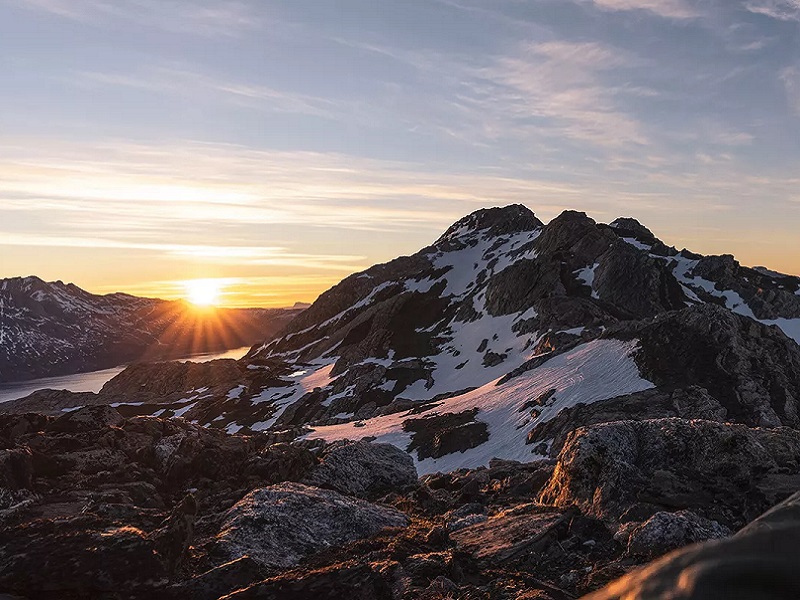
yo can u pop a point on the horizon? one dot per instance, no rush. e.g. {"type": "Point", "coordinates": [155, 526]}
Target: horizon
{"type": "Point", "coordinates": [183, 292]}
{"type": "Point", "coordinates": [275, 148]}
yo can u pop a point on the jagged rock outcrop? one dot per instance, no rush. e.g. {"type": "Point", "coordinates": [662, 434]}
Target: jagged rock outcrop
{"type": "Point", "coordinates": [753, 370]}
{"type": "Point", "coordinates": [691, 402]}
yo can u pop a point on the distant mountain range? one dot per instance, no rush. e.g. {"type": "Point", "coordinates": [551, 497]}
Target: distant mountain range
{"type": "Point", "coordinates": [53, 328]}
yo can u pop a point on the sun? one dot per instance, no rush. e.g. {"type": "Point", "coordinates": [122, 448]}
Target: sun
{"type": "Point", "coordinates": [203, 292]}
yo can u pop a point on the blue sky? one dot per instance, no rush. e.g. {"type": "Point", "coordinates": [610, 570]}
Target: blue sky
{"type": "Point", "coordinates": [280, 145]}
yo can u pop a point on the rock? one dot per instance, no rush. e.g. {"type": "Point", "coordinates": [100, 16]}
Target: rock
{"type": "Point", "coordinates": [280, 525]}
{"type": "Point", "coordinates": [751, 369]}
{"type": "Point", "coordinates": [635, 283]}
{"type": "Point", "coordinates": [508, 535]}
{"type": "Point", "coordinates": [760, 562]}
{"type": "Point", "coordinates": [441, 587]}
{"type": "Point", "coordinates": [16, 468]}
{"type": "Point", "coordinates": [173, 538]}
{"type": "Point", "coordinates": [628, 225]}
{"type": "Point", "coordinates": [463, 522]}
{"type": "Point", "coordinates": [88, 418]}
{"type": "Point", "coordinates": [280, 462]}
{"type": "Point", "coordinates": [692, 402]}
{"type": "Point", "coordinates": [219, 581]}
{"type": "Point", "coordinates": [363, 469]}
{"type": "Point", "coordinates": [729, 473]}
{"type": "Point", "coordinates": [351, 581]}
{"type": "Point", "coordinates": [439, 435]}
{"type": "Point", "coordinates": [59, 557]}
{"type": "Point", "coordinates": [664, 532]}
{"type": "Point", "coordinates": [513, 218]}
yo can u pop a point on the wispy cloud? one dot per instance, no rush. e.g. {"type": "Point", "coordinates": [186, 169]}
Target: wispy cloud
{"type": "Point", "coordinates": [783, 10]}
{"type": "Point", "coordinates": [671, 9]}
{"type": "Point", "coordinates": [206, 254]}
{"type": "Point", "coordinates": [790, 76]}
{"type": "Point", "coordinates": [192, 84]}
{"type": "Point", "coordinates": [203, 17]}
{"type": "Point", "coordinates": [562, 84]}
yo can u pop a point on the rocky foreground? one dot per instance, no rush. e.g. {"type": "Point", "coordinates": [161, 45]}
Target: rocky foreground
{"type": "Point", "coordinates": [94, 505]}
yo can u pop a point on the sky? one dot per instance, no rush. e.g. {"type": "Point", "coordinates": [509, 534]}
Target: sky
{"type": "Point", "coordinates": [279, 145]}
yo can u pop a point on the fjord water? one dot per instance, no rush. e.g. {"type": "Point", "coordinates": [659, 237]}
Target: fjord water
{"type": "Point", "coordinates": [94, 380]}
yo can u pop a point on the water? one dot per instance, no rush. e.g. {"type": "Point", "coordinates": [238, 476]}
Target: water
{"type": "Point", "coordinates": [94, 380]}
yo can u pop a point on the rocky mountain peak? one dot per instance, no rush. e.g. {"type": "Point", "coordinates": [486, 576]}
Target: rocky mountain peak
{"type": "Point", "coordinates": [513, 218]}
{"type": "Point", "coordinates": [631, 226]}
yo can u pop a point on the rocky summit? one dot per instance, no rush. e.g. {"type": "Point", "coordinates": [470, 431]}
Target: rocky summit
{"type": "Point", "coordinates": [520, 410]}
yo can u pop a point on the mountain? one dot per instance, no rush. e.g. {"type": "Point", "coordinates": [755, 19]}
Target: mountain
{"type": "Point", "coordinates": [498, 340]}
{"type": "Point", "coordinates": [55, 329]}
{"type": "Point", "coordinates": [517, 411]}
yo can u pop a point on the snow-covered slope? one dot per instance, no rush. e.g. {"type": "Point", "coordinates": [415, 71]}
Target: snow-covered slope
{"type": "Point", "coordinates": [592, 372]}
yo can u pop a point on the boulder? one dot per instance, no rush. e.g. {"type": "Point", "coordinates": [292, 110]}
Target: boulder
{"type": "Point", "coordinates": [363, 470]}
{"type": "Point", "coordinates": [441, 434]}
{"type": "Point", "coordinates": [351, 581]}
{"type": "Point", "coordinates": [280, 462]}
{"type": "Point", "coordinates": [664, 532]}
{"type": "Point", "coordinates": [729, 473]}
{"type": "Point", "coordinates": [280, 525]}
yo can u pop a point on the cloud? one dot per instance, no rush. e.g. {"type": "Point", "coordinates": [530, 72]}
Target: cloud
{"type": "Point", "coordinates": [790, 76]}
{"type": "Point", "coordinates": [783, 10]}
{"type": "Point", "coordinates": [193, 84]}
{"type": "Point", "coordinates": [670, 9]}
{"type": "Point", "coordinates": [202, 17]}
{"type": "Point", "coordinates": [206, 254]}
{"type": "Point", "coordinates": [562, 85]}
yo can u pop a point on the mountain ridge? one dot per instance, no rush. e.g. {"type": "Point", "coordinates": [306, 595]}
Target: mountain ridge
{"type": "Point", "coordinates": [492, 306]}
{"type": "Point", "coordinates": [57, 328]}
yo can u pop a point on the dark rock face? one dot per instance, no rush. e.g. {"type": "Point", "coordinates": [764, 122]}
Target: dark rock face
{"type": "Point", "coordinates": [363, 470]}
{"type": "Point", "coordinates": [519, 286]}
{"type": "Point", "coordinates": [728, 473]}
{"type": "Point", "coordinates": [753, 370]}
{"type": "Point", "coordinates": [280, 525]}
{"type": "Point", "coordinates": [628, 225]}
{"type": "Point", "coordinates": [769, 295]}
{"type": "Point", "coordinates": [439, 435]}
{"type": "Point", "coordinates": [635, 283]}
{"type": "Point", "coordinates": [79, 553]}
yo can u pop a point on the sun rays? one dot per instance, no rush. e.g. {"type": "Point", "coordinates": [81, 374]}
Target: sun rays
{"type": "Point", "coordinates": [203, 292]}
